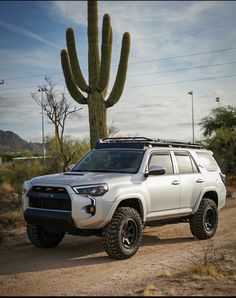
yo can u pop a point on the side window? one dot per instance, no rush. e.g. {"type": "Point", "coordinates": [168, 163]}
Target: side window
{"type": "Point", "coordinates": [163, 160]}
{"type": "Point", "coordinates": [185, 163]}
{"type": "Point", "coordinates": [207, 161]}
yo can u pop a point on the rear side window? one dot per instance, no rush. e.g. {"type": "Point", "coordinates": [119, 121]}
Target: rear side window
{"type": "Point", "coordinates": [163, 160]}
{"type": "Point", "coordinates": [208, 161]}
{"type": "Point", "coordinates": [185, 163]}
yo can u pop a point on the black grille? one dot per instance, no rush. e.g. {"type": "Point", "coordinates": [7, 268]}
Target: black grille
{"type": "Point", "coordinates": [45, 197]}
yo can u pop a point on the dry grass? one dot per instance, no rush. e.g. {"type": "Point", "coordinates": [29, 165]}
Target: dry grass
{"type": "Point", "coordinates": [151, 290]}
{"type": "Point", "coordinates": [164, 273]}
{"type": "Point", "coordinates": [203, 271]}
{"type": "Point", "coordinates": [11, 217]}
{"type": "Point", "coordinates": [11, 223]}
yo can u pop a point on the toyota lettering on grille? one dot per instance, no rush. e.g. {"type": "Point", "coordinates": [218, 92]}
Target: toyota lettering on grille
{"type": "Point", "coordinates": [45, 195]}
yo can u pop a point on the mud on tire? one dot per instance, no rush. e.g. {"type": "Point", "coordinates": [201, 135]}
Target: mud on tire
{"type": "Point", "coordinates": [123, 234]}
{"type": "Point", "coordinates": [204, 222]}
{"type": "Point", "coordinates": [42, 238]}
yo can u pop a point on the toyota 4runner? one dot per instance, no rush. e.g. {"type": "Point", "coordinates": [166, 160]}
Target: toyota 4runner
{"type": "Point", "coordinates": [121, 186]}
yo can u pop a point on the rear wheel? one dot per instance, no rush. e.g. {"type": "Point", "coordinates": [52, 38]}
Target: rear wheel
{"type": "Point", "coordinates": [123, 235]}
{"type": "Point", "coordinates": [42, 238]}
{"type": "Point", "coordinates": [204, 222]}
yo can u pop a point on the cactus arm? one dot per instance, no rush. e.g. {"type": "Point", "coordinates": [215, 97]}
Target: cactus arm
{"type": "Point", "coordinates": [106, 54]}
{"type": "Point", "coordinates": [75, 67]}
{"type": "Point", "coordinates": [93, 50]}
{"type": "Point", "coordinates": [104, 92]}
{"type": "Point", "coordinates": [121, 73]}
{"type": "Point", "coordinates": [70, 83]}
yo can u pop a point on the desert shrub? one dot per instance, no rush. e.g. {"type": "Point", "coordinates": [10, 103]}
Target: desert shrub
{"type": "Point", "coordinates": [73, 150]}
{"type": "Point", "coordinates": [9, 199]}
{"type": "Point", "coordinates": [11, 216]}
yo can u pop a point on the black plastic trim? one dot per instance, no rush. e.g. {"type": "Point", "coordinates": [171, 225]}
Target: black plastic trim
{"type": "Point", "coordinates": [41, 217]}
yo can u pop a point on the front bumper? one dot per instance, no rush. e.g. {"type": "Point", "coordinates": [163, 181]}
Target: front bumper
{"type": "Point", "coordinates": [78, 217]}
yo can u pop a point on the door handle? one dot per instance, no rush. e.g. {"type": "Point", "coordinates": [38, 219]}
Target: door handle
{"type": "Point", "coordinates": [199, 180]}
{"type": "Point", "coordinates": [175, 182]}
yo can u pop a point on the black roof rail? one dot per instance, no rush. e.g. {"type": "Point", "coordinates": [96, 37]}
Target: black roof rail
{"type": "Point", "coordinates": [143, 141]}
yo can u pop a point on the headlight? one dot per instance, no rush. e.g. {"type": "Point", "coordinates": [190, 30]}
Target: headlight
{"type": "Point", "coordinates": [26, 186]}
{"type": "Point", "coordinates": [93, 190]}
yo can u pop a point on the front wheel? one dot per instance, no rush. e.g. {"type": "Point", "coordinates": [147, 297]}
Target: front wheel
{"type": "Point", "coordinates": [42, 238]}
{"type": "Point", "coordinates": [204, 222]}
{"type": "Point", "coordinates": [123, 235]}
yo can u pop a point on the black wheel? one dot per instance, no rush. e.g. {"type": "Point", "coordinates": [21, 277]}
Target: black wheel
{"type": "Point", "coordinates": [204, 222]}
{"type": "Point", "coordinates": [123, 235]}
{"type": "Point", "coordinates": [42, 238]}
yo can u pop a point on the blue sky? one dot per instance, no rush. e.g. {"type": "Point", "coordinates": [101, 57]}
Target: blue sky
{"type": "Point", "coordinates": [176, 47]}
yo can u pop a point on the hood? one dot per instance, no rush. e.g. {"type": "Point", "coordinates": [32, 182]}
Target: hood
{"type": "Point", "coordinates": [84, 178]}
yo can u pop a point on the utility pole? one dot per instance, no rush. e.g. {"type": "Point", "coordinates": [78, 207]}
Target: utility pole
{"type": "Point", "coordinates": [42, 89]}
{"type": "Point", "coordinates": [191, 93]}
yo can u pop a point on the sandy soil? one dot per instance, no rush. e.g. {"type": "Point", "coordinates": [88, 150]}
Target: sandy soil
{"type": "Point", "coordinates": [79, 266]}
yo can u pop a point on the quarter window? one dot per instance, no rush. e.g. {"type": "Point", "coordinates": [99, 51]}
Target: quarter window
{"type": "Point", "coordinates": [208, 161]}
{"type": "Point", "coordinates": [163, 160]}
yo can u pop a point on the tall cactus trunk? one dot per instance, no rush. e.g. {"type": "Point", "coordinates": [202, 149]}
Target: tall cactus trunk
{"type": "Point", "coordinates": [99, 72]}
{"type": "Point", "coordinates": [97, 118]}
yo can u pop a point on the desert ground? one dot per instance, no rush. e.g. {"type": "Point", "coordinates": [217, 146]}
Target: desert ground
{"type": "Point", "coordinates": [169, 263]}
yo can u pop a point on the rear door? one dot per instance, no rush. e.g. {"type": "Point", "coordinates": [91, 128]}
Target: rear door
{"type": "Point", "coordinates": [191, 180]}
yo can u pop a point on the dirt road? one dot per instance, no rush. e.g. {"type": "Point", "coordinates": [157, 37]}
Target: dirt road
{"type": "Point", "coordinates": [79, 266]}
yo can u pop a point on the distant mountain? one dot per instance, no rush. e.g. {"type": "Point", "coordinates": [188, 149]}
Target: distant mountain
{"type": "Point", "coordinates": [11, 142]}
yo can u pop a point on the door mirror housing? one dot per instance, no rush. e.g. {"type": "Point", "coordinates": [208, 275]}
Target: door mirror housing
{"type": "Point", "coordinates": [155, 170]}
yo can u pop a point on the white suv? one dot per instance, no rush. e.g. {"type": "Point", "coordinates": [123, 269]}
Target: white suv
{"type": "Point", "coordinates": [122, 185]}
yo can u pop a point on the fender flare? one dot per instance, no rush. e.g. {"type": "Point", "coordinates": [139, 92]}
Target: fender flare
{"type": "Point", "coordinates": [201, 195]}
{"type": "Point", "coordinates": [121, 198]}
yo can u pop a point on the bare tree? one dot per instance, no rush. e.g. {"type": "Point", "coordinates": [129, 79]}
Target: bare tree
{"type": "Point", "coordinates": [56, 107]}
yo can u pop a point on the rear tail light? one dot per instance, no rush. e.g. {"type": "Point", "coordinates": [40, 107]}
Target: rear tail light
{"type": "Point", "coordinates": [223, 177]}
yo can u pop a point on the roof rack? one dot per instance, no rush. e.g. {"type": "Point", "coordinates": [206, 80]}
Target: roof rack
{"type": "Point", "coordinates": [141, 142]}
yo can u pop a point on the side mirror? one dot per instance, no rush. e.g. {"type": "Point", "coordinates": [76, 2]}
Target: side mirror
{"type": "Point", "coordinates": [70, 167]}
{"type": "Point", "coordinates": [155, 170]}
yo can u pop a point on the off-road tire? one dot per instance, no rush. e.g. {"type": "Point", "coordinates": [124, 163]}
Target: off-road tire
{"type": "Point", "coordinates": [115, 234]}
{"type": "Point", "coordinates": [204, 222]}
{"type": "Point", "coordinates": [42, 238]}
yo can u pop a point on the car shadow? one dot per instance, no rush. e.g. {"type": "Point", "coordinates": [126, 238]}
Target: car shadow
{"type": "Point", "coordinates": [151, 240]}
{"type": "Point", "coordinates": [73, 251]}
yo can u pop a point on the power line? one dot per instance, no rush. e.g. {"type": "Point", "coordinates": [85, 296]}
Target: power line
{"type": "Point", "coordinates": [145, 61]}
{"type": "Point", "coordinates": [149, 85]}
{"type": "Point", "coordinates": [32, 76]}
{"type": "Point", "coordinates": [183, 56]}
{"type": "Point", "coordinates": [183, 69]}
{"type": "Point", "coordinates": [188, 31]}
{"type": "Point", "coordinates": [134, 75]}
{"type": "Point", "coordinates": [176, 82]}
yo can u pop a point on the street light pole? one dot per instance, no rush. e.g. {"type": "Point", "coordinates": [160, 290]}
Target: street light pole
{"type": "Point", "coordinates": [42, 90]}
{"type": "Point", "coordinates": [191, 93]}
{"type": "Point", "coordinates": [218, 100]}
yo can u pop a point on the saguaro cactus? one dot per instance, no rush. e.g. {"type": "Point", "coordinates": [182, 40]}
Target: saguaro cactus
{"type": "Point", "coordinates": [99, 72]}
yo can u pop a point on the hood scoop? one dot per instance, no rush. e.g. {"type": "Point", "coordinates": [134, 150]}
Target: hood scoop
{"type": "Point", "coordinates": [73, 174]}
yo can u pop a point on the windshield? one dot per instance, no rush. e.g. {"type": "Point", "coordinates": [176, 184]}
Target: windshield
{"type": "Point", "coordinates": [110, 160]}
